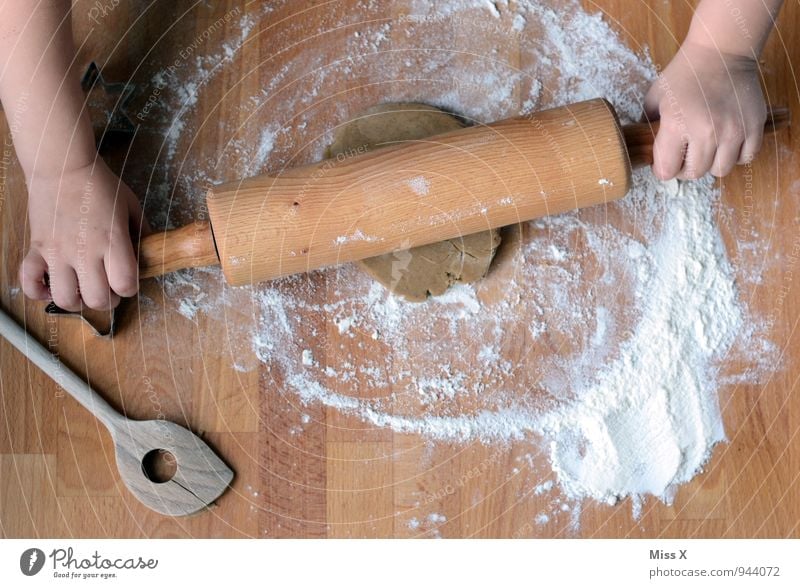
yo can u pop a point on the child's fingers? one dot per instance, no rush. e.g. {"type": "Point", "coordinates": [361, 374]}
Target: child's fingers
{"type": "Point", "coordinates": [138, 220]}
{"type": "Point", "coordinates": [95, 291]}
{"type": "Point", "coordinates": [751, 146]}
{"type": "Point", "coordinates": [31, 276]}
{"type": "Point", "coordinates": [668, 150]}
{"type": "Point", "coordinates": [699, 157]}
{"type": "Point", "coordinates": [727, 155]}
{"type": "Point", "coordinates": [652, 101]}
{"type": "Point", "coordinates": [122, 268]}
{"type": "Point", "coordinates": [64, 286]}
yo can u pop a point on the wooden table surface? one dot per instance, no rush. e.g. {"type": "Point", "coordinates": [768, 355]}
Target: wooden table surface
{"type": "Point", "coordinates": [339, 478]}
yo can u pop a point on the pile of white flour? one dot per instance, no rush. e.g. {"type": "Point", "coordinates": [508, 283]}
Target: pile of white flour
{"type": "Point", "coordinates": [626, 311]}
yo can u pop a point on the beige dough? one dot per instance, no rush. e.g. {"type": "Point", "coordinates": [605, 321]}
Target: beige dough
{"type": "Point", "coordinates": [430, 269]}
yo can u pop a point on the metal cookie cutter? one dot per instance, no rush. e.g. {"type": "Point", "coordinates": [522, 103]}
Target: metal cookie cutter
{"type": "Point", "coordinates": [106, 103]}
{"type": "Point", "coordinates": [102, 323]}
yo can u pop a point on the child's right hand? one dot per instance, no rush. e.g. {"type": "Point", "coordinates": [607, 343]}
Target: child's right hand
{"type": "Point", "coordinates": [81, 225]}
{"type": "Point", "coordinates": [712, 113]}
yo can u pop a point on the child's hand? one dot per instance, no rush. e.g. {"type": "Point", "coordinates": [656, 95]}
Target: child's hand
{"type": "Point", "coordinates": [81, 225]}
{"type": "Point", "coordinates": [712, 113]}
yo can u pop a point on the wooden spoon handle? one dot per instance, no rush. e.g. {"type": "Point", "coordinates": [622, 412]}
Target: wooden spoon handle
{"type": "Point", "coordinates": [639, 137]}
{"type": "Point", "coordinates": [61, 375]}
{"type": "Point", "coordinates": [201, 476]}
{"type": "Point", "coordinates": [169, 251]}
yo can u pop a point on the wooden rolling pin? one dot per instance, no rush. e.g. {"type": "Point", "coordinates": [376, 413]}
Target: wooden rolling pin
{"type": "Point", "coordinates": [411, 194]}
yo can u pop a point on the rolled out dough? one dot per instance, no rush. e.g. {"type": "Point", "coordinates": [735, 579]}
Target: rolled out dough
{"type": "Point", "coordinates": [430, 269]}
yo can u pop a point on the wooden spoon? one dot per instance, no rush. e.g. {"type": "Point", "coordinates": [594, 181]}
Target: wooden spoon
{"type": "Point", "coordinates": [200, 476]}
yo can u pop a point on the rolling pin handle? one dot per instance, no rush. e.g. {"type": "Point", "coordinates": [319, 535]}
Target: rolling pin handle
{"type": "Point", "coordinates": [170, 251]}
{"type": "Point", "coordinates": [639, 137]}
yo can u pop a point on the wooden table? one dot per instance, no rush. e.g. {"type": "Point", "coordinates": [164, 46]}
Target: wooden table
{"type": "Point", "coordinates": [338, 479]}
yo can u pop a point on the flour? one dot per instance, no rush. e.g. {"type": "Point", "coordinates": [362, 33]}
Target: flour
{"type": "Point", "coordinates": [645, 422]}
{"type": "Point", "coordinates": [436, 518]}
{"type": "Point", "coordinates": [650, 419]}
{"type": "Point", "coordinates": [493, 8]}
{"type": "Point", "coordinates": [420, 185]}
{"type": "Point", "coordinates": [265, 145]}
{"type": "Point", "coordinates": [627, 312]}
{"type": "Point", "coordinates": [357, 235]}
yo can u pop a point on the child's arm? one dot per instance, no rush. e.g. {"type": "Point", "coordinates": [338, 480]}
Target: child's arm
{"type": "Point", "coordinates": [709, 97]}
{"type": "Point", "coordinates": [79, 211]}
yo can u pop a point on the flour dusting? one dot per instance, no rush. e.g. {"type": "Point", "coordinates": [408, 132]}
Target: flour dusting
{"type": "Point", "coordinates": [599, 338]}
{"type": "Point", "coordinates": [420, 185]}
{"type": "Point", "coordinates": [650, 418]}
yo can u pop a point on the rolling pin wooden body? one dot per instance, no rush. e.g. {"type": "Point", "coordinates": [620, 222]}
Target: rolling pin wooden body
{"type": "Point", "coordinates": [410, 194]}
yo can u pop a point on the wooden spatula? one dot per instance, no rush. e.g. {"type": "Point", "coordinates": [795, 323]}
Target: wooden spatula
{"type": "Point", "coordinates": [200, 476]}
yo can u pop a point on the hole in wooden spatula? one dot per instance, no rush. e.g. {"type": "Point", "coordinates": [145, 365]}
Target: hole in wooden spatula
{"type": "Point", "coordinates": [159, 465]}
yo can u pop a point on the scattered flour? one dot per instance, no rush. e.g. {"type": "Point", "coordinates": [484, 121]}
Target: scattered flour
{"type": "Point", "coordinates": [493, 8]}
{"type": "Point", "coordinates": [616, 382]}
{"type": "Point", "coordinates": [419, 185]}
{"type": "Point", "coordinates": [650, 418]}
{"type": "Point", "coordinates": [543, 488]}
{"type": "Point", "coordinates": [641, 424]}
{"type": "Point", "coordinates": [265, 145]}
{"type": "Point", "coordinates": [436, 518]}
{"type": "Point", "coordinates": [357, 235]}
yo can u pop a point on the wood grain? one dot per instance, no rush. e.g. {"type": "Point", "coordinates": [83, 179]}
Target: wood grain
{"type": "Point", "coordinates": [60, 481]}
{"type": "Point", "coordinates": [169, 251]}
{"type": "Point", "coordinates": [199, 476]}
{"type": "Point", "coordinates": [478, 178]}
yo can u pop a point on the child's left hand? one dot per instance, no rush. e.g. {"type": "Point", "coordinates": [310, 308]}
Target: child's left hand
{"type": "Point", "coordinates": [82, 222]}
